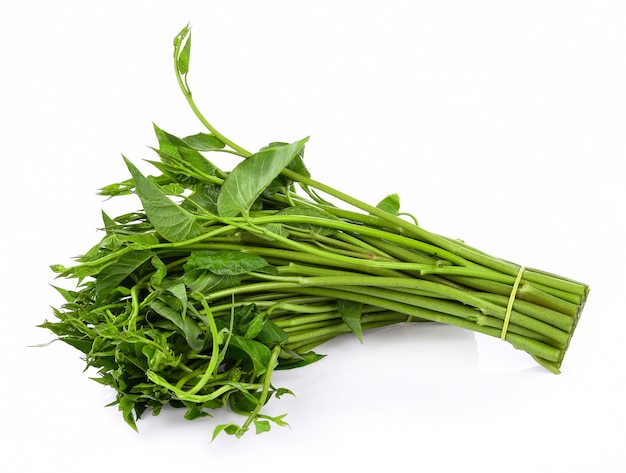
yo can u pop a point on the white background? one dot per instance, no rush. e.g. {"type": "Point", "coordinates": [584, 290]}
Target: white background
{"type": "Point", "coordinates": [502, 123]}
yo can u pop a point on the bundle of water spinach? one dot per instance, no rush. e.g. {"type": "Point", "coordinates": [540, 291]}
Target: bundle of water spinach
{"type": "Point", "coordinates": [224, 277]}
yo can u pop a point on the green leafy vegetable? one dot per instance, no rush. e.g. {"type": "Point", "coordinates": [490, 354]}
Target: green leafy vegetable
{"type": "Point", "coordinates": [224, 277]}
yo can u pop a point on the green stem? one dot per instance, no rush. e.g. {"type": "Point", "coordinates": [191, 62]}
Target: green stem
{"type": "Point", "coordinates": [134, 313]}
{"type": "Point", "coordinates": [454, 247]}
{"type": "Point", "coordinates": [267, 379]}
{"type": "Point", "coordinates": [214, 362]}
{"type": "Point", "coordinates": [533, 347]}
{"type": "Point", "coordinates": [184, 87]}
{"type": "Point", "coordinates": [350, 228]}
{"type": "Point", "coordinates": [228, 386]}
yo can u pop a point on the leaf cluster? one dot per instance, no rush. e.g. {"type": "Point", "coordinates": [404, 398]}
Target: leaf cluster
{"type": "Point", "coordinates": [139, 314]}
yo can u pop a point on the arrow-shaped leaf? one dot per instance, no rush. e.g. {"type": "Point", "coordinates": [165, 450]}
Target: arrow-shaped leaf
{"type": "Point", "coordinates": [168, 218]}
{"type": "Point", "coordinates": [250, 177]}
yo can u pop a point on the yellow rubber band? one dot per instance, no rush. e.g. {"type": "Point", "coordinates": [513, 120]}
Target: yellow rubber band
{"type": "Point", "coordinates": [509, 307]}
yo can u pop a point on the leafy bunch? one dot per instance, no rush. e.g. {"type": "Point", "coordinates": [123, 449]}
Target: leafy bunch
{"type": "Point", "coordinates": [224, 277]}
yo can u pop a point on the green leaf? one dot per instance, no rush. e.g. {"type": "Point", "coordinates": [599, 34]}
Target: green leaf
{"type": "Point", "coordinates": [118, 188]}
{"type": "Point", "coordinates": [170, 220]}
{"type": "Point", "coordinates": [69, 296]}
{"type": "Point", "coordinates": [298, 361]}
{"type": "Point", "coordinates": [158, 358]}
{"type": "Point", "coordinates": [225, 262]}
{"type": "Point", "coordinates": [173, 189]}
{"type": "Point", "coordinates": [203, 281]}
{"type": "Point", "coordinates": [281, 392]}
{"type": "Point", "coordinates": [127, 406]}
{"type": "Point", "coordinates": [184, 55]}
{"type": "Point", "coordinates": [271, 334]}
{"type": "Point", "coordinates": [161, 271]}
{"type": "Point", "coordinates": [107, 221]}
{"type": "Point", "coordinates": [187, 325]}
{"type": "Point", "coordinates": [276, 229]}
{"type": "Point", "coordinates": [250, 177]}
{"type": "Point", "coordinates": [168, 143]}
{"type": "Point", "coordinates": [112, 275]}
{"type": "Point", "coordinates": [261, 426]}
{"type": "Point", "coordinates": [109, 244]}
{"type": "Point", "coordinates": [195, 411]}
{"type": "Point", "coordinates": [280, 183]}
{"type": "Point", "coordinates": [351, 314]}
{"type": "Point", "coordinates": [297, 163]}
{"type": "Point", "coordinates": [278, 420]}
{"type": "Point", "coordinates": [244, 401]}
{"type": "Point", "coordinates": [179, 291]}
{"type": "Point", "coordinates": [196, 162]}
{"type": "Point", "coordinates": [141, 241]}
{"type": "Point", "coordinates": [178, 39]}
{"type": "Point", "coordinates": [175, 173]}
{"type": "Point", "coordinates": [390, 204]}
{"type": "Point", "coordinates": [180, 158]}
{"type": "Point", "coordinates": [250, 321]}
{"type": "Point", "coordinates": [203, 142]}
{"type": "Point", "coordinates": [204, 197]}
{"type": "Point", "coordinates": [257, 353]}
{"type": "Point", "coordinates": [82, 345]}
{"type": "Point", "coordinates": [230, 429]}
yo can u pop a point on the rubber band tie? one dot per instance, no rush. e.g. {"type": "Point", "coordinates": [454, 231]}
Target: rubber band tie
{"type": "Point", "coordinates": [509, 307]}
